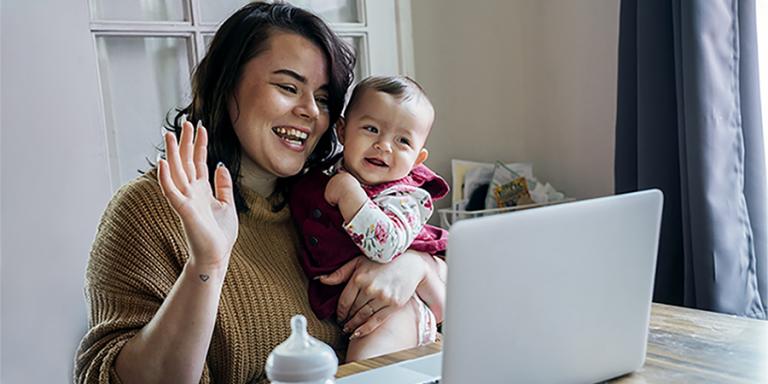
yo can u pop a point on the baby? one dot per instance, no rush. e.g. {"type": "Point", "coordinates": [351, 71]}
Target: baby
{"type": "Point", "coordinates": [374, 199]}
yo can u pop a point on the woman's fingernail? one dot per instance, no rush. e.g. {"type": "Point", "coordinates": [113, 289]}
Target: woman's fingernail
{"type": "Point", "coordinates": [183, 119]}
{"type": "Point", "coordinates": [219, 165]}
{"type": "Point", "coordinates": [355, 335]}
{"type": "Point", "coordinates": [319, 277]}
{"type": "Point", "coordinates": [199, 124]}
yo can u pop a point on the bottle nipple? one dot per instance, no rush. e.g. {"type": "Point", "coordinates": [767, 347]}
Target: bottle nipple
{"type": "Point", "coordinates": [301, 358]}
{"type": "Point", "coordinates": [299, 330]}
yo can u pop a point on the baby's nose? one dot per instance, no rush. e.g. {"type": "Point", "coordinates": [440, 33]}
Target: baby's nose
{"type": "Point", "coordinates": [383, 146]}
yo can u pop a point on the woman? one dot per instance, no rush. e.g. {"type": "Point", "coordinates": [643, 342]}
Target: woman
{"type": "Point", "coordinates": [161, 310]}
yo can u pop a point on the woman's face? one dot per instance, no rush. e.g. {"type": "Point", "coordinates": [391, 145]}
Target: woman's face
{"type": "Point", "coordinates": [280, 105]}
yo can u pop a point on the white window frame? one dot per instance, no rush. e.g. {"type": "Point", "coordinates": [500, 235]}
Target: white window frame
{"type": "Point", "coordinates": [384, 33]}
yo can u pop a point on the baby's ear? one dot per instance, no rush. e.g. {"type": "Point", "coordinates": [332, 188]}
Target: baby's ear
{"type": "Point", "coordinates": [340, 129]}
{"type": "Point", "coordinates": [422, 157]}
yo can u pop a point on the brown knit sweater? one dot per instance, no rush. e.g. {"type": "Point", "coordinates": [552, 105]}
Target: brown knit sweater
{"type": "Point", "coordinates": [139, 252]}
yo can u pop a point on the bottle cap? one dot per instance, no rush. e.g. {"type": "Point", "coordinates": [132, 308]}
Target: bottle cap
{"type": "Point", "coordinates": [301, 357]}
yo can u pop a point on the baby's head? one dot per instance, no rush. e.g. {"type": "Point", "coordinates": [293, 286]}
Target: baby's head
{"type": "Point", "coordinates": [384, 129]}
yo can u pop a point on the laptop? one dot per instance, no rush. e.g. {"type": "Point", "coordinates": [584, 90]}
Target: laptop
{"type": "Point", "coordinates": [558, 294]}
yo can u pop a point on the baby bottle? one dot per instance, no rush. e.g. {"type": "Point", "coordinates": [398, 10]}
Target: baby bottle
{"type": "Point", "coordinates": [301, 359]}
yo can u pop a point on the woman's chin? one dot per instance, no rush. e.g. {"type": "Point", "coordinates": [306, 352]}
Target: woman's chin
{"type": "Point", "coordinates": [287, 169]}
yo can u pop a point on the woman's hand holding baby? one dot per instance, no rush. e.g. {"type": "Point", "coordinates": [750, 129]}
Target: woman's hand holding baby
{"type": "Point", "coordinates": [374, 291]}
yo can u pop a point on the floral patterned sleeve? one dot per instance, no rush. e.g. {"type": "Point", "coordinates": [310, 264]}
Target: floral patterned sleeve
{"type": "Point", "coordinates": [387, 225]}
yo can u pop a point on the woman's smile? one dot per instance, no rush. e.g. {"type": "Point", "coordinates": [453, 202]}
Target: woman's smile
{"type": "Point", "coordinates": [294, 138]}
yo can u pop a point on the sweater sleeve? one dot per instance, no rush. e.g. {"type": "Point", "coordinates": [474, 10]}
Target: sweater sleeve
{"type": "Point", "coordinates": [387, 224]}
{"type": "Point", "coordinates": [136, 257]}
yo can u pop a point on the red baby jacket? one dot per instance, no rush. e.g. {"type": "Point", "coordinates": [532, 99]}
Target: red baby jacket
{"type": "Point", "coordinates": [327, 246]}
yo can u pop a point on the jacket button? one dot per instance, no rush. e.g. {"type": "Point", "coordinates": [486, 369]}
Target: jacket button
{"type": "Point", "coordinates": [313, 241]}
{"type": "Point", "coordinates": [316, 213]}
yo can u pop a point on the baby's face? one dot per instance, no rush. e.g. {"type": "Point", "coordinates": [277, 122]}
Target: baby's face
{"type": "Point", "coordinates": [383, 137]}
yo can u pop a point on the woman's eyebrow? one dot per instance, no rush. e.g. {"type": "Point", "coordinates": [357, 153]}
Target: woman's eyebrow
{"type": "Point", "coordinates": [291, 73]}
{"type": "Point", "coordinates": [296, 76]}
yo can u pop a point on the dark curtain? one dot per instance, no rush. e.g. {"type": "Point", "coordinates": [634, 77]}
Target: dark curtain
{"type": "Point", "coordinates": [689, 123]}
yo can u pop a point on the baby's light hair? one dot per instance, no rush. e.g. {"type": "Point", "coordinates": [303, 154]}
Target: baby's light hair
{"type": "Point", "coordinates": [403, 88]}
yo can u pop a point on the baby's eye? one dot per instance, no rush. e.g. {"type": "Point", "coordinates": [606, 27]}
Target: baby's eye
{"type": "Point", "coordinates": [371, 129]}
{"type": "Point", "coordinates": [405, 141]}
{"type": "Point", "coordinates": [288, 88]}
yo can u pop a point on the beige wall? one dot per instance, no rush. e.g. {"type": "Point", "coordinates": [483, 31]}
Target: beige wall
{"type": "Point", "coordinates": [522, 80]}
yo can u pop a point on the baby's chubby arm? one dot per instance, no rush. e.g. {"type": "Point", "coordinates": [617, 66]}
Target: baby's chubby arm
{"type": "Point", "coordinates": [344, 191]}
{"type": "Point", "coordinates": [384, 227]}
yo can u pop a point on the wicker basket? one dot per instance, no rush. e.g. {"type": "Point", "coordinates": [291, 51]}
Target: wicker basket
{"type": "Point", "coordinates": [449, 216]}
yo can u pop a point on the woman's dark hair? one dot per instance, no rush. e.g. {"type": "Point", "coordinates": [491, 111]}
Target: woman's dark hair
{"type": "Point", "coordinates": [243, 36]}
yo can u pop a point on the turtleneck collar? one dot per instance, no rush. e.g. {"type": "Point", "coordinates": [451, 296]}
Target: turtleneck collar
{"type": "Point", "coordinates": [256, 179]}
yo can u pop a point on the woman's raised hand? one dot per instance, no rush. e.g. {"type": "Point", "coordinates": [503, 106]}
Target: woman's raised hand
{"type": "Point", "coordinates": [210, 221]}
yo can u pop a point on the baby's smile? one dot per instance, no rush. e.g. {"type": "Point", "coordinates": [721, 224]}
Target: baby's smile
{"type": "Point", "coordinates": [376, 162]}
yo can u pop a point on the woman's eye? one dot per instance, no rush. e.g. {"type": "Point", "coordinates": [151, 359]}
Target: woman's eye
{"type": "Point", "coordinates": [288, 88]}
{"type": "Point", "coordinates": [371, 129]}
{"type": "Point", "coordinates": [322, 102]}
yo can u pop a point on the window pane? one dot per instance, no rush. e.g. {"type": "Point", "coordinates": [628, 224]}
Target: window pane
{"type": "Point", "coordinates": [361, 66]}
{"type": "Point", "coordinates": [207, 40]}
{"type": "Point", "coordinates": [142, 78]}
{"type": "Point", "coordinates": [143, 10]}
{"type": "Point", "coordinates": [333, 11]}
{"type": "Point", "coordinates": [215, 12]}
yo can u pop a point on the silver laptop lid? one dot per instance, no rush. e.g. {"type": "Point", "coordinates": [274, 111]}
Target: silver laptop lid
{"type": "Point", "coordinates": [554, 294]}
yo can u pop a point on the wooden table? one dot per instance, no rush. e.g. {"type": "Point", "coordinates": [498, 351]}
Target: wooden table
{"type": "Point", "coordinates": [684, 345]}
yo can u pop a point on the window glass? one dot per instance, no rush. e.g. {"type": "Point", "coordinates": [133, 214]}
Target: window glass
{"type": "Point", "coordinates": [356, 42]}
{"type": "Point", "coordinates": [142, 10]}
{"type": "Point", "coordinates": [333, 11]}
{"type": "Point", "coordinates": [215, 12]}
{"type": "Point", "coordinates": [207, 40]}
{"type": "Point", "coordinates": [142, 79]}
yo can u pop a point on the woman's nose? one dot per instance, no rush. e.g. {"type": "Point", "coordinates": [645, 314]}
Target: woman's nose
{"type": "Point", "coordinates": [307, 108]}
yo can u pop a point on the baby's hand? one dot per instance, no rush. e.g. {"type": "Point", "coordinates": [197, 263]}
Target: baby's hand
{"type": "Point", "coordinates": [340, 185]}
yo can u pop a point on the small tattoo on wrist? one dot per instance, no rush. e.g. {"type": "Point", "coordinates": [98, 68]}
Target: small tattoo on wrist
{"type": "Point", "coordinates": [204, 277]}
